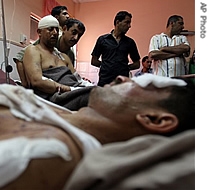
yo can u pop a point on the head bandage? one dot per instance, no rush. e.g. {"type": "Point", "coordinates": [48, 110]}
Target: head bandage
{"type": "Point", "coordinates": [48, 21]}
{"type": "Point", "coordinates": [157, 81]}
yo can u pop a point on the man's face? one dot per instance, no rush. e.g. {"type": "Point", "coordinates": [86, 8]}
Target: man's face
{"type": "Point", "coordinates": [147, 63]}
{"type": "Point", "coordinates": [72, 36]}
{"type": "Point", "coordinates": [64, 15]}
{"type": "Point", "coordinates": [124, 95]}
{"type": "Point", "coordinates": [124, 25]}
{"type": "Point", "coordinates": [49, 36]}
{"type": "Point", "coordinates": [177, 26]}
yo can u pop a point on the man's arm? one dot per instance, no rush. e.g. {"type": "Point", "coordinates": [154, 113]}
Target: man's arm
{"type": "Point", "coordinates": [21, 73]}
{"type": "Point", "coordinates": [74, 72]}
{"type": "Point", "coordinates": [160, 55]}
{"type": "Point", "coordinates": [154, 50]}
{"type": "Point", "coordinates": [69, 63]}
{"type": "Point", "coordinates": [170, 51]}
{"type": "Point", "coordinates": [33, 71]}
{"type": "Point", "coordinates": [179, 50]}
{"type": "Point", "coordinates": [95, 62]}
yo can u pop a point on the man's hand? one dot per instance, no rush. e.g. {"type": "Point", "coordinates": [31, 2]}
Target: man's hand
{"type": "Point", "coordinates": [60, 88]}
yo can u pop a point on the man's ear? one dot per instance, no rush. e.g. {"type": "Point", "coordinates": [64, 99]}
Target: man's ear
{"type": "Point", "coordinates": [117, 22]}
{"type": "Point", "coordinates": [39, 31]}
{"type": "Point", "coordinates": [64, 27]}
{"type": "Point", "coordinates": [158, 123]}
{"type": "Point", "coordinates": [56, 16]}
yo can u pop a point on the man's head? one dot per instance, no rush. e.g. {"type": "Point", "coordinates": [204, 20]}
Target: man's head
{"type": "Point", "coordinates": [61, 14]}
{"type": "Point", "coordinates": [73, 29]}
{"type": "Point", "coordinates": [176, 24]}
{"type": "Point", "coordinates": [122, 21]}
{"type": "Point", "coordinates": [146, 62]}
{"type": "Point", "coordinates": [152, 103]}
{"type": "Point", "coordinates": [48, 30]}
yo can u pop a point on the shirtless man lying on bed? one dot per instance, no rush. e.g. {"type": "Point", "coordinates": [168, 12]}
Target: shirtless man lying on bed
{"type": "Point", "coordinates": [126, 108]}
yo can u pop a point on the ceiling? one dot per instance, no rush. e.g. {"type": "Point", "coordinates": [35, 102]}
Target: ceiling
{"type": "Point", "coordinates": [84, 1]}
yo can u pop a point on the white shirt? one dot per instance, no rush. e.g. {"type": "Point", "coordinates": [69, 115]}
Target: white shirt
{"type": "Point", "coordinates": [169, 67]}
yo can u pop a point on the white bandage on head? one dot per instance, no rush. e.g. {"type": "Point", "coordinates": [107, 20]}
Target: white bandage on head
{"type": "Point", "coordinates": [48, 21]}
{"type": "Point", "coordinates": [157, 81]}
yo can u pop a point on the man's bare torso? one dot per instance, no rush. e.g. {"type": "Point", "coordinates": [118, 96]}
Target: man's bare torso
{"type": "Point", "coordinates": [49, 59]}
{"type": "Point", "coordinates": [50, 173]}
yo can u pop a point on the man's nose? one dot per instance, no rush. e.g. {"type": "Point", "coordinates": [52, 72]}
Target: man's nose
{"type": "Point", "coordinates": [76, 37]}
{"type": "Point", "coordinates": [182, 27]}
{"type": "Point", "coordinates": [55, 31]}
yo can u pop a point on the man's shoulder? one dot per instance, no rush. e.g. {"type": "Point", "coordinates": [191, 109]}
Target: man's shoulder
{"type": "Point", "coordinates": [104, 35]}
{"type": "Point", "coordinates": [158, 35]}
{"type": "Point", "coordinates": [180, 36]}
{"type": "Point", "coordinates": [128, 38]}
{"type": "Point", "coordinates": [31, 47]}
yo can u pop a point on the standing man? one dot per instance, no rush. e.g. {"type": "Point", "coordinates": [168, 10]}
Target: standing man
{"type": "Point", "coordinates": [61, 14]}
{"type": "Point", "coordinates": [114, 49]}
{"type": "Point", "coordinates": [168, 49]}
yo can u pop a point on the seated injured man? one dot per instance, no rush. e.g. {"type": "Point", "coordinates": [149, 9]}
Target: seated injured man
{"type": "Point", "coordinates": [42, 144]}
{"type": "Point", "coordinates": [50, 73]}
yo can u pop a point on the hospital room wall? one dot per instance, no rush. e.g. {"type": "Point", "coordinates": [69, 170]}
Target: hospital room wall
{"type": "Point", "coordinates": [17, 22]}
{"type": "Point", "coordinates": [17, 17]}
{"type": "Point", "coordinates": [149, 18]}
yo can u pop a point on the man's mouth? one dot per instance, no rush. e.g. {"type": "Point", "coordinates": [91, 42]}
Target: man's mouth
{"type": "Point", "coordinates": [54, 39]}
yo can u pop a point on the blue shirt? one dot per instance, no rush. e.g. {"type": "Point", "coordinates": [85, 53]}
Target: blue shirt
{"type": "Point", "coordinates": [138, 73]}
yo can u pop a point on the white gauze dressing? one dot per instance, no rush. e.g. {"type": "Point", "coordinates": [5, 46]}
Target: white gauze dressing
{"type": "Point", "coordinates": [157, 81]}
{"type": "Point", "coordinates": [48, 21]}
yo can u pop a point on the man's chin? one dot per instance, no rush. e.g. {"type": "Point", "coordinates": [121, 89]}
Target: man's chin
{"type": "Point", "coordinates": [71, 44]}
{"type": "Point", "coordinates": [53, 42]}
{"type": "Point", "coordinates": [94, 94]}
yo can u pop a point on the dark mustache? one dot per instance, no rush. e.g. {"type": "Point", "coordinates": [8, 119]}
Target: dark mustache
{"type": "Point", "coordinates": [54, 38]}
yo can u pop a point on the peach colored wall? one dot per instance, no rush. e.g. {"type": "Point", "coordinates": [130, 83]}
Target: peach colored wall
{"type": "Point", "coordinates": [17, 17]}
{"type": "Point", "coordinates": [149, 18]}
{"type": "Point", "coordinates": [69, 4]}
{"type": "Point", "coordinates": [17, 21]}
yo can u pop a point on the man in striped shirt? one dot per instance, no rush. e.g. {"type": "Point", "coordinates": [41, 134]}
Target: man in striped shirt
{"type": "Point", "coordinates": [169, 49]}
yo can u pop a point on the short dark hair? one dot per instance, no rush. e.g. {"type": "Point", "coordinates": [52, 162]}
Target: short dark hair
{"type": "Point", "coordinates": [181, 103]}
{"type": "Point", "coordinates": [173, 18]}
{"type": "Point", "coordinates": [71, 21]}
{"type": "Point", "coordinates": [145, 58]}
{"type": "Point", "coordinates": [57, 10]}
{"type": "Point", "coordinates": [121, 16]}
